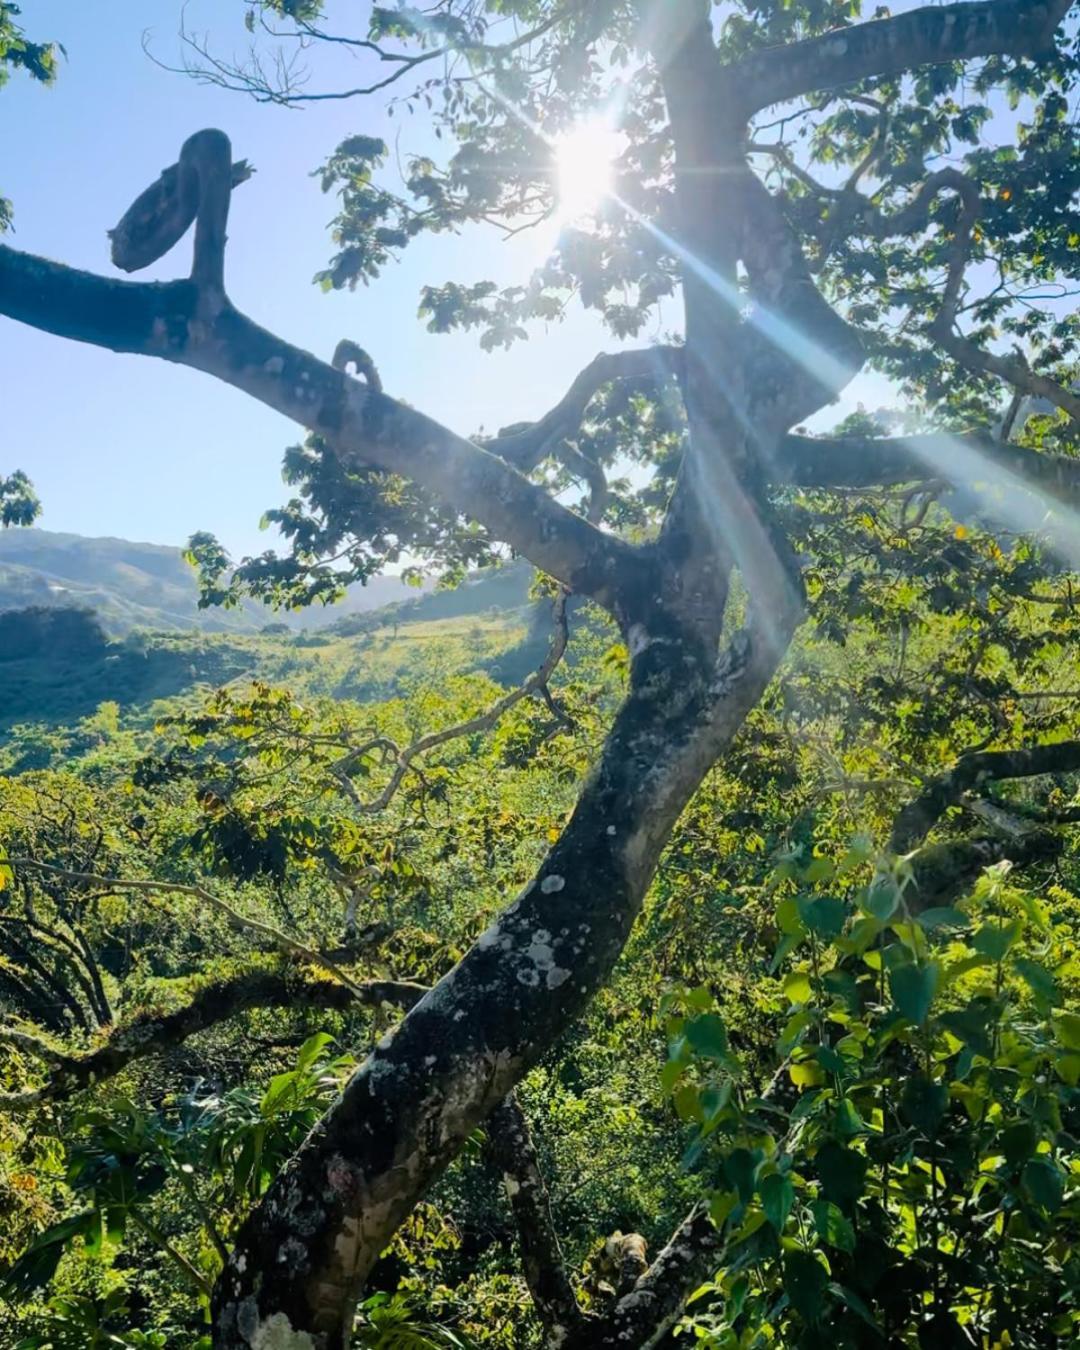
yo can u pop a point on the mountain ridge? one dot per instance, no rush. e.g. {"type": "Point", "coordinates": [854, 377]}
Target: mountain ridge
{"type": "Point", "coordinates": [132, 584]}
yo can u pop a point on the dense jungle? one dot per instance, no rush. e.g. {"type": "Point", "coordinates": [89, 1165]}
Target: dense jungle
{"type": "Point", "coordinates": [664, 929]}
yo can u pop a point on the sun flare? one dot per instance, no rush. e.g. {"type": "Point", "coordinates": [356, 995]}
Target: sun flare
{"type": "Point", "coordinates": [584, 163]}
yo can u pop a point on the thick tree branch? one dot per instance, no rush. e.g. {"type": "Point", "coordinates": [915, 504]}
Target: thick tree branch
{"type": "Point", "coordinates": [943, 873]}
{"type": "Point", "coordinates": [362, 425]}
{"type": "Point", "coordinates": [644, 1316]}
{"type": "Point", "coordinates": [970, 772]}
{"type": "Point", "coordinates": [409, 1108]}
{"type": "Point", "coordinates": [511, 1148]}
{"type": "Point", "coordinates": [525, 446]}
{"type": "Point", "coordinates": [276, 937]}
{"type": "Point", "coordinates": [216, 1001]}
{"type": "Point", "coordinates": [885, 47]}
{"type": "Point", "coordinates": [965, 458]}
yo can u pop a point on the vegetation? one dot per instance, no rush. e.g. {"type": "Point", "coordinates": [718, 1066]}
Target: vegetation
{"type": "Point", "coordinates": [777, 1044]}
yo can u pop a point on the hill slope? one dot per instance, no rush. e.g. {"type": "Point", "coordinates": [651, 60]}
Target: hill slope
{"type": "Point", "coordinates": [134, 585]}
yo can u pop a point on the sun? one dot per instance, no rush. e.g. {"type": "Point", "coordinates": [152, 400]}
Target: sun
{"type": "Point", "coordinates": [584, 165]}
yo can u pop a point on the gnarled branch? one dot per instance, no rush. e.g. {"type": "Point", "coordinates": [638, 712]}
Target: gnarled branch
{"type": "Point", "coordinates": [970, 772]}
{"type": "Point", "coordinates": [215, 1001]}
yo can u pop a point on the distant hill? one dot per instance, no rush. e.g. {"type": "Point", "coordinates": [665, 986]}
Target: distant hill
{"type": "Point", "coordinates": [132, 585]}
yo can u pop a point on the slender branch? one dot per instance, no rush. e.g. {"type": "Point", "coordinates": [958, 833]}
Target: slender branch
{"type": "Point", "coordinates": [536, 683]}
{"type": "Point", "coordinates": [511, 1148]}
{"type": "Point", "coordinates": [890, 46]}
{"type": "Point", "coordinates": [214, 1002]}
{"type": "Point", "coordinates": [644, 1315]}
{"type": "Point", "coordinates": [190, 1272]}
{"type": "Point", "coordinates": [276, 936]}
{"type": "Point", "coordinates": [971, 772]}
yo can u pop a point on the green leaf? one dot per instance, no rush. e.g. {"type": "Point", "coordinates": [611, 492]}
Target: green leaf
{"type": "Point", "coordinates": [833, 1227]}
{"type": "Point", "coordinates": [806, 1074]}
{"type": "Point", "coordinates": [824, 917]}
{"type": "Point", "coordinates": [1043, 1181]}
{"type": "Point", "coordinates": [972, 1026]}
{"type": "Point", "coordinates": [944, 916]}
{"type": "Point", "coordinates": [1019, 1141]}
{"type": "Point", "coordinates": [848, 1121]}
{"type": "Point", "coordinates": [1038, 979]}
{"type": "Point", "coordinates": [923, 1103]}
{"type": "Point", "coordinates": [740, 1168]}
{"type": "Point", "coordinates": [851, 1300]}
{"type": "Point", "coordinates": [1067, 1025]}
{"type": "Point", "coordinates": [881, 899]}
{"type": "Point", "coordinates": [842, 1173]}
{"type": "Point", "coordinates": [777, 1197]}
{"type": "Point", "coordinates": [995, 939]}
{"type": "Point", "coordinates": [707, 1036]}
{"type": "Point", "coordinates": [797, 987]}
{"type": "Point", "coordinates": [805, 1280]}
{"type": "Point", "coordinates": [913, 988]}
{"type": "Point", "coordinates": [820, 869]}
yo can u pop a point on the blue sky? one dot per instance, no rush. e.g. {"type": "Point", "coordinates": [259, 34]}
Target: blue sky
{"type": "Point", "coordinates": [126, 446]}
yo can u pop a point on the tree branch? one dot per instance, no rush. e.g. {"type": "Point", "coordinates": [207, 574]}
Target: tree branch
{"type": "Point", "coordinates": [511, 1148]}
{"type": "Point", "coordinates": [282, 941]}
{"type": "Point", "coordinates": [869, 461]}
{"type": "Point", "coordinates": [525, 446]}
{"type": "Point", "coordinates": [642, 1317]}
{"type": "Point", "coordinates": [360, 424]}
{"type": "Point", "coordinates": [279, 986]}
{"type": "Point", "coordinates": [886, 47]}
{"type": "Point", "coordinates": [970, 772]}
{"type": "Point", "coordinates": [536, 683]}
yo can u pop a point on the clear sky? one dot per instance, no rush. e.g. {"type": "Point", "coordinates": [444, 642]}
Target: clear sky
{"type": "Point", "coordinates": [126, 446]}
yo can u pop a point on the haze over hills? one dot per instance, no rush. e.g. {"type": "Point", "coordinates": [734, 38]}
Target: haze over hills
{"type": "Point", "coordinates": [135, 585]}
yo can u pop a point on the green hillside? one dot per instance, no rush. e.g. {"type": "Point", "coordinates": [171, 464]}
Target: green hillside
{"type": "Point", "coordinates": [134, 585]}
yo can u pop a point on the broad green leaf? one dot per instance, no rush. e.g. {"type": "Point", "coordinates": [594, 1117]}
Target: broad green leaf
{"type": "Point", "coordinates": [995, 939]}
{"type": "Point", "coordinates": [1019, 1141]}
{"type": "Point", "coordinates": [777, 1197]}
{"type": "Point", "coordinates": [1067, 1026]}
{"type": "Point", "coordinates": [913, 988]}
{"type": "Point", "coordinates": [842, 1173]}
{"type": "Point", "coordinates": [944, 916]}
{"type": "Point", "coordinates": [707, 1036]}
{"type": "Point", "coordinates": [1038, 979]}
{"type": "Point", "coordinates": [833, 1226]}
{"type": "Point", "coordinates": [923, 1103]}
{"type": "Point", "coordinates": [805, 1280]}
{"type": "Point", "coordinates": [797, 987]}
{"type": "Point", "coordinates": [1044, 1182]}
{"type": "Point", "coordinates": [824, 917]}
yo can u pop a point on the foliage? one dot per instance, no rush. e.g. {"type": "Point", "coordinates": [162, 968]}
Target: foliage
{"type": "Point", "coordinates": [859, 1058]}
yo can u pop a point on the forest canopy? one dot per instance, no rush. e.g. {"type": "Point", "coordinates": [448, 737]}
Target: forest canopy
{"type": "Point", "coordinates": [688, 956]}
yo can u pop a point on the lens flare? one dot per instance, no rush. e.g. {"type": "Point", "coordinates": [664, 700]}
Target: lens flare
{"type": "Point", "coordinates": [584, 166]}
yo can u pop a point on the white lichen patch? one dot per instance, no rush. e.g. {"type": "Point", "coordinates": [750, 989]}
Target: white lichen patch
{"type": "Point", "coordinates": [637, 639]}
{"type": "Point", "coordinates": [275, 365]}
{"type": "Point", "coordinates": [556, 976]}
{"type": "Point", "coordinates": [550, 885]}
{"type": "Point", "coordinates": [276, 1333]}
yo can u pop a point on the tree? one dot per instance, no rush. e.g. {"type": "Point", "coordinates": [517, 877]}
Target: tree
{"type": "Point", "coordinates": [789, 282]}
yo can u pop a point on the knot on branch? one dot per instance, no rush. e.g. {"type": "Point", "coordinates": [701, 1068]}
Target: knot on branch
{"type": "Point", "coordinates": [196, 188]}
{"type": "Point", "coordinates": [348, 353]}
